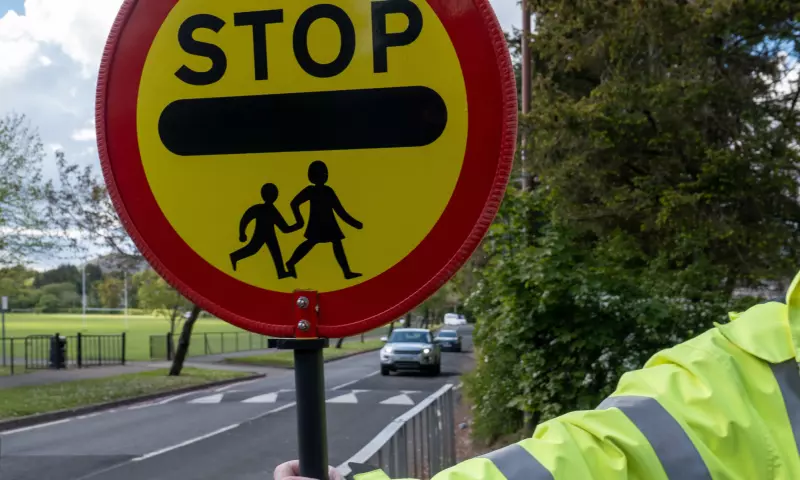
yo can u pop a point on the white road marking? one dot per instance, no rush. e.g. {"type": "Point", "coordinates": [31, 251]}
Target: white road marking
{"type": "Point", "coordinates": [274, 410]}
{"type": "Point", "coordinates": [183, 444]}
{"type": "Point", "coordinates": [346, 398]}
{"type": "Point", "coordinates": [34, 427]}
{"type": "Point", "coordinates": [347, 384]}
{"type": "Point", "coordinates": [398, 400]}
{"type": "Point", "coordinates": [266, 398]}
{"type": "Point", "coordinates": [175, 397]}
{"type": "Point", "coordinates": [216, 398]}
{"type": "Point", "coordinates": [226, 387]}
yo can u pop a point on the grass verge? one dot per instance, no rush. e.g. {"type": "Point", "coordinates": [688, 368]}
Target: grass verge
{"type": "Point", "coordinates": [22, 401]}
{"type": "Point", "coordinates": [285, 359]}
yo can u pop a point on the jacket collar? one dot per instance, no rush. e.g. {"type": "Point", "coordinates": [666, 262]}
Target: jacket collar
{"type": "Point", "coordinates": [793, 314]}
{"type": "Point", "coordinates": [769, 331]}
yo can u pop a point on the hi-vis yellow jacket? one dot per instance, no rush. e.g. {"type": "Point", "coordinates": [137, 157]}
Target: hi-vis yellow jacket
{"type": "Point", "coordinates": [724, 405]}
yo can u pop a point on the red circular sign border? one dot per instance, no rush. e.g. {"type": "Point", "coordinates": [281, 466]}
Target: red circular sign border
{"type": "Point", "coordinates": [491, 100]}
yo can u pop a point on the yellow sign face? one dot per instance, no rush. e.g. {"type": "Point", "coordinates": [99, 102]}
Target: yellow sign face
{"type": "Point", "coordinates": [295, 145]}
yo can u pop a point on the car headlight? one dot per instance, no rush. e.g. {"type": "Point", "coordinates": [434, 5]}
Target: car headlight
{"type": "Point", "coordinates": [426, 351]}
{"type": "Point", "coordinates": [387, 349]}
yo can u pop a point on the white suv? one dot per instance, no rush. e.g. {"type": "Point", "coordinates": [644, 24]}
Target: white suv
{"type": "Point", "coordinates": [411, 349]}
{"type": "Point", "coordinates": [454, 320]}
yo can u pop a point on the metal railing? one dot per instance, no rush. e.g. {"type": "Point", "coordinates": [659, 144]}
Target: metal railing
{"type": "Point", "coordinates": [418, 444]}
{"type": "Point", "coordinates": [162, 347]}
{"type": "Point", "coordinates": [35, 352]}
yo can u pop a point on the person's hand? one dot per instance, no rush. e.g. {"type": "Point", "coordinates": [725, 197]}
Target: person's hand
{"type": "Point", "coordinates": [291, 471]}
{"type": "Point", "coordinates": [243, 237]}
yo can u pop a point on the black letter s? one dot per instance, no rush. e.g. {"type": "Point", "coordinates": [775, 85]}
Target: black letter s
{"type": "Point", "coordinates": [219, 62]}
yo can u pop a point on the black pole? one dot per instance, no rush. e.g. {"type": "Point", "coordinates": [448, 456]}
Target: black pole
{"type": "Point", "coordinates": [309, 377]}
{"type": "Point", "coordinates": [311, 422]}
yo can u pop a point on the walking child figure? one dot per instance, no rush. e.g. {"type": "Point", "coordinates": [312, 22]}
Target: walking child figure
{"type": "Point", "coordinates": [322, 225]}
{"type": "Point", "coordinates": [267, 217]}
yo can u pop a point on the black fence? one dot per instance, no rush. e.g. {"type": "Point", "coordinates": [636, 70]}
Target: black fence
{"type": "Point", "coordinates": [39, 352]}
{"type": "Point", "coordinates": [162, 347]}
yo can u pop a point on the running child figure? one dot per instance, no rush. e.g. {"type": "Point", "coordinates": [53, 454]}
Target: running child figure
{"type": "Point", "coordinates": [267, 217]}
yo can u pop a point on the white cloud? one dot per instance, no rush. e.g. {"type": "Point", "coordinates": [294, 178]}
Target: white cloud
{"type": "Point", "coordinates": [51, 55]}
{"type": "Point", "coordinates": [78, 27]}
{"type": "Point", "coordinates": [508, 12]}
{"type": "Point", "coordinates": [84, 135]}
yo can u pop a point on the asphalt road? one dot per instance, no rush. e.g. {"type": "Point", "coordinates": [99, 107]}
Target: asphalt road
{"type": "Point", "coordinates": [240, 432]}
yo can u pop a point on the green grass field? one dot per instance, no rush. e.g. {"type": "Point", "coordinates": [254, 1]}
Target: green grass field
{"type": "Point", "coordinates": [21, 401]}
{"type": "Point", "coordinates": [138, 329]}
{"type": "Point", "coordinates": [285, 359]}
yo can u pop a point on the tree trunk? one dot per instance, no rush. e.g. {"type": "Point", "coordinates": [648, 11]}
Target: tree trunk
{"type": "Point", "coordinates": [362, 338]}
{"type": "Point", "coordinates": [339, 342]}
{"type": "Point", "coordinates": [183, 343]}
{"type": "Point", "coordinates": [391, 328]}
{"type": "Point", "coordinates": [172, 319]}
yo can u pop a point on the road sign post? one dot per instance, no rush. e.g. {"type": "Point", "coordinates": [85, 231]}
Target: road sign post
{"type": "Point", "coordinates": [309, 373]}
{"type": "Point", "coordinates": [353, 154]}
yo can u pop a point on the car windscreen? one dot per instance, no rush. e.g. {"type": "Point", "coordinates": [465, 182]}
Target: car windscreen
{"type": "Point", "coordinates": [447, 334]}
{"type": "Point", "coordinates": [410, 337]}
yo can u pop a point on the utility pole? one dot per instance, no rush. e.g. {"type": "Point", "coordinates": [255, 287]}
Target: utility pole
{"type": "Point", "coordinates": [526, 85]}
{"type": "Point", "coordinates": [83, 289]}
{"type": "Point", "coordinates": [125, 288]}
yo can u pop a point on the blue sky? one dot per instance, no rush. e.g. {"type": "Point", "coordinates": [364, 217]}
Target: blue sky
{"type": "Point", "coordinates": [16, 5]}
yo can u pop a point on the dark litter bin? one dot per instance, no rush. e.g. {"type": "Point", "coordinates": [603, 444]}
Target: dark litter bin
{"type": "Point", "coordinates": [58, 352]}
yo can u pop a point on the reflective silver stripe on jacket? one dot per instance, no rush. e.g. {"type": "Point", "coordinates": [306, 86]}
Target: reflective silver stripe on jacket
{"type": "Point", "coordinates": [788, 377]}
{"type": "Point", "coordinates": [515, 463]}
{"type": "Point", "coordinates": [676, 452]}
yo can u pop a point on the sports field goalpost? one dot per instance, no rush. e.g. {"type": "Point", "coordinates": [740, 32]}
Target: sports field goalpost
{"type": "Point", "coordinates": [84, 299]}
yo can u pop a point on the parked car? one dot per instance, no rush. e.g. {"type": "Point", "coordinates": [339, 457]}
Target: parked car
{"type": "Point", "coordinates": [448, 340]}
{"type": "Point", "coordinates": [411, 349]}
{"type": "Point", "coordinates": [454, 320]}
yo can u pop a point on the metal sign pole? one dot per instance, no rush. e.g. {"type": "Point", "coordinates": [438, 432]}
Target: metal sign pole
{"type": "Point", "coordinates": [312, 435]}
{"type": "Point", "coordinates": [309, 377]}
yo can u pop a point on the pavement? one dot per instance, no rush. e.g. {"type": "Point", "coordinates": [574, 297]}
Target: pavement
{"type": "Point", "coordinates": [237, 432]}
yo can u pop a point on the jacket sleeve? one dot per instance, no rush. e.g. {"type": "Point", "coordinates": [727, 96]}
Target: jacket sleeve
{"type": "Point", "coordinates": [694, 411]}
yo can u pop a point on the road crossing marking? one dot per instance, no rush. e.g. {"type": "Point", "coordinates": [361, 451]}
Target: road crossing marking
{"type": "Point", "coordinates": [401, 399]}
{"type": "Point", "coordinates": [346, 398]}
{"type": "Point", "coordinates": [266, 398]}
{"type": "Point", "coordinates": [216, 398]}
{"type": "Point", "coordinates": [351, 397]}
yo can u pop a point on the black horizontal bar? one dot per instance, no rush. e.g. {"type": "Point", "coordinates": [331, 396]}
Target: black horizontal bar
{"type": "Point", "coordinates": [299, 122]}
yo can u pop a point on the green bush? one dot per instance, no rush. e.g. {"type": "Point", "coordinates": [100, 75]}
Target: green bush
{"type": "Point", "coordinates": [560, 319]}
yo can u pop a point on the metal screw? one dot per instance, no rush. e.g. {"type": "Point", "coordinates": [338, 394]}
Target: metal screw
{"type": "Point", "coordinates": [302, 302]}
{"type": "Point", "coordinates": [303, 325]}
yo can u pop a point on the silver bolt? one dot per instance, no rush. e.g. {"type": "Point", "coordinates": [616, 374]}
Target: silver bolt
{"type": "Point", "coordinates": [302, 302]}
{"type": "Point", "coordinates": [303, 325]}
